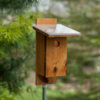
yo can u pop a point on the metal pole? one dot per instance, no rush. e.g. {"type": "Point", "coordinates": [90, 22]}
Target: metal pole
{"type": "Point", "coordinates": [44, 92]}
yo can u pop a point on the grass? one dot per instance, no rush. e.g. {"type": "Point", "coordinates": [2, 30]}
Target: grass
{"type": "Point", "coordinates": [35, 93]}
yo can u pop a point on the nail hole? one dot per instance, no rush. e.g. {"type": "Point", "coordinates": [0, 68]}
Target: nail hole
{"type": "Point", "coordinates": [55, 69]}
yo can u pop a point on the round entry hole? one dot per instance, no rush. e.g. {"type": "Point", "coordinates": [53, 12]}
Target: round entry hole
{"type": "Point", "coordinates": [56, 43]}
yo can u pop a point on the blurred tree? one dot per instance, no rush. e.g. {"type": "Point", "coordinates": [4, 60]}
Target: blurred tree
{"type": "Point", "coordinates": [17, 51]}
{"type": "Point", "coordinates": [16, 4]}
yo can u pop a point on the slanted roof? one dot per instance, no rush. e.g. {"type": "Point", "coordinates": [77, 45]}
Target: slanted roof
{"type": "Point", "coordinates": [57, 30]}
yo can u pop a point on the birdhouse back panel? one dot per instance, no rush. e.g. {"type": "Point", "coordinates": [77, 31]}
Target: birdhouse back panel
{"type": "Point", "coordinates": [52, 21]}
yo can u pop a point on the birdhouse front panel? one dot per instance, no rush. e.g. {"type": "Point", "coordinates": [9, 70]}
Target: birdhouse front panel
{"type": "Point", "coordinates": [56, 56]}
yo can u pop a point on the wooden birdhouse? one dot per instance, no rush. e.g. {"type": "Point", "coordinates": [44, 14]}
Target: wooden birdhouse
{"type": "Point", "coordinates": [51, 49]}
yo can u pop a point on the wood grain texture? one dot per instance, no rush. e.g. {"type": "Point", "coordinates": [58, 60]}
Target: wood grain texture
{"type": "Point", "coordinates": [40, 53]}
{"type": "Point", "coordinates": [40, 61]}
{"type": "Point", "coordinates": [46, 21]}
{"type": "Point", "coordinates": [56, 57]}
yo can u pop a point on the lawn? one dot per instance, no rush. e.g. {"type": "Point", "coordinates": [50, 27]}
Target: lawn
{"type": "Point", "coordinates": [35, 93]}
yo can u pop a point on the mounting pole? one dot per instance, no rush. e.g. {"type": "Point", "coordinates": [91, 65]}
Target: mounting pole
{"type": "Point", "coordinates": [44, 92]}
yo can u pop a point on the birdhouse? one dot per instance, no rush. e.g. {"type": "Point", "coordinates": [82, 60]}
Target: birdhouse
{"type": "Point", "coordinates": [51, 49]}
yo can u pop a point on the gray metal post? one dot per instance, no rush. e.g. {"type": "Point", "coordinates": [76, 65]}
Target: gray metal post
{"type": "Point", "coordinates": [44, 92]}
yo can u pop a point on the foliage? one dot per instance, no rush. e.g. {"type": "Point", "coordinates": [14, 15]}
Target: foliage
{"type": "Point", "coordinates": [15, 4]}
{"type": "Point", "coordinates": [36, 94]}
{"type": "Point", "coordinates": [17, 49]}
{"type": "Point", "coordinates": [5, 94]}
{"type": "Point", "coordinates": [84, 18]}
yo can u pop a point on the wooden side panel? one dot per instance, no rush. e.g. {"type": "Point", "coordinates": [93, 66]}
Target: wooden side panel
{"type": "Point", "coordinates": [40, 61]}
{"type": "Point", "coordinates": [56, 56]}
{"type": "Point", "coordinates": [40, 54]}
{"type": "Point", "coordinates": [46, 21]}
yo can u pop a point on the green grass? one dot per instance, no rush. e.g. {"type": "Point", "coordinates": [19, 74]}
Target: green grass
{"type": "Point", "coordinates": [35, 93]}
